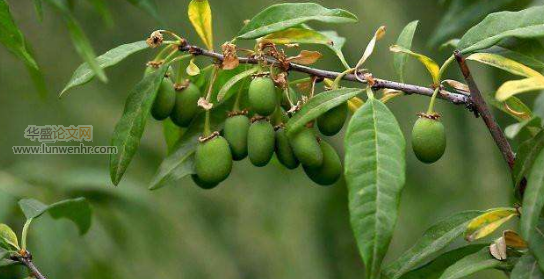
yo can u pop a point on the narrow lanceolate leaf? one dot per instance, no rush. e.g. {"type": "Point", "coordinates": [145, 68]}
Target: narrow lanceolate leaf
{"type": "Point", "coordinates": [225, 93]}
{"type": "Point", "coordinates": [528, 52]}
{"type": "Point", "coordinates": [505, 64]}
{"type": "Point", "coordinates": [375, 174]}
{"type": "Point", "coordinates": [371, 45]}
{"type": "Point", "coordinates": [77, 210]}
{"type": "Point", "coordinates": [12, 38]}
{"type": "Point", "coordinates": [283, 16]}
{"type": "Point", "coordinates": [84, 73]}
{"type": "Point", "coordinates": [435, 268]}
{"type": "Point", "coordinates": [533, 202]}
{"type": "Point", "coordinates": [512, 106]}
{"type": "Point", "coordinates": [486, 223]}
{"type": "Point", "coordinates": [200, 15]}
{"type": "Point", "coordinates": [514, 87]}
{"type": "Point", "coordinates": [337, 45]}
{"type": "Point", "coordinates": [526, 156]}
{"type": "Point", "coordinates": [531, 127]}
{"type": "Point", "coordinates": [430, 64]}
{"type": "Point", "coordinates": [404, 40]}
{"type": "Point", "coordinates": [172, 133]}
{"type": "Point", "coordinates": [471, 264]}
{"type": "Point", "coordinates": [176, 166]}
{"type": "Point", "coordinates": [318, 105]}
{"type": "Point", "coordinates": [130, 127]}
{"type": "Point", "coordinates": [8, 238]}
{"type": "Point", "coordinates": [528, 23]}
{"type": "Point", "coordinates": [297, 35]}
{"type": "Point", "coordinates": [526, 268]}
{"type": "Point", "coordinates": [83, 46]}
{"type": "Point", "coordinates": [433, 240]}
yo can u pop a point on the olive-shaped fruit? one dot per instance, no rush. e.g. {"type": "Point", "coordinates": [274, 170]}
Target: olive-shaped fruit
{"type": "Point", "coordinates": [235, 132]}
{"type": "Point", "coordinates": [260, 142]}
{"type": "Point", "coordinates": [284, 152]}
{"type": "Point", "coordinates": [213, 160]}
{"type": "Point", "coordinates": [428, 139]}
{"type": "Point", "coordinates": [332, 121]}
{"type": "Point", "coordinates": [306, 148]}
{"type": "Point", "coordinates": [186, 105]}
{"type": "Point", "coordinates": [202, 184]}
{"type": "Point", "coordinates": [262, 96]}
{"type": "Point", "coordinates": [330, 171]}
{"type": "Point", "coordinates": [164, 101]}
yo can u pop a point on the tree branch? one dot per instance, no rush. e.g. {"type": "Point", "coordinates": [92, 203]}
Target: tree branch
{"type": "Point", "coordinates": [26, 260]}
{"type": "Point", "coordinates": [455, 98]}
{"type": "Point", "coordinates": [480, 107]}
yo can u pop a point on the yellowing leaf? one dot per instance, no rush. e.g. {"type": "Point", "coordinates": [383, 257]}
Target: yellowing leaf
{"type": "Point", "coordinates": [512, 239]}
{"type": "Point", "coordinates": [297, 35]}
{"type": "Point", "coordinates": [193, 69]}
{"type": "Point", "coordinates": [430, 64]}
{"type": "Point", "coordinates": [306, 57]}
{"type": "Point", "coordinates": [200, 15]}
{"type": "Point", "coordinates": [355, 103]}
{"type": "Point", "coordinates": [488, 222]}
{"type": "Point", "coordinates": [370, 47]}
{"type": "Point", "coordinates": [513, 87]}
{"type": "Point", "coordinates": [505, 64]}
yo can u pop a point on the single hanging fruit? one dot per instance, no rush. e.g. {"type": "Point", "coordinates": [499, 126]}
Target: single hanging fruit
{"type": "Point", "coordinates": [284, 152]}
{"type": "Point", "coordinates": [332, 121]}
{"type": "Point", "coordinates": [330, 171]}
{"type": "Point", "coordinates": [186, 105]}
{"type": "Point", "coordinates": [235, 132]}
{"type": "Point", "coordinates": [262, 96]}
{"type": "Point", "coordinates": [306, 147]}
{"type": "Point", "coordinates": [260, 142]}
{"type": "Point", "coordinates": [164, 101]}
{"type": "Point", "coordinates": [213, 160]}
{"type": "Point", "coordinates": [428, 138]}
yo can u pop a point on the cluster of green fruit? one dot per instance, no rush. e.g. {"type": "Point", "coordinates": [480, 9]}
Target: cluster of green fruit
{"type": "Point", "coordinates": [257, 137]}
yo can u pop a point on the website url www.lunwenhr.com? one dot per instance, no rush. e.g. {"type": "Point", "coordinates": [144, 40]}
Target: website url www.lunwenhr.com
{"type": "Point", "coordinates": [81, 149]}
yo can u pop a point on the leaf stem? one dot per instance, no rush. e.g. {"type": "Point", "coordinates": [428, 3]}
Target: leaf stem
{"type": "Point", "coordinates": [24, 234]}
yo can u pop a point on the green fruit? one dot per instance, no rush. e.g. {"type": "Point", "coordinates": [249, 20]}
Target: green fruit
{"type": "Point", "coordinates": [235, 132]}
{"type": "Point", "coordinates": [164, 101]}
{"type": "Point", "coordinates": [262, 96]}
{"type": "Point", "coordinates": [332, 121]}
{"type": "Point", "coordinates": [306, 148]}
{"type": "Point", "coordinates": [186, 105]}
{"type": "Point", "coordinates": [213, 160]}
{"type": "Point", "coordinates": [284, 152]}
{"type": "Point", "coordinates": [428, 140]}
{"type": "Point", "coordinates": [260, 142]}
{"type": "Point", "coordinates": [330, 171]}
{"type": "Point", "coordinates": [202, 184]}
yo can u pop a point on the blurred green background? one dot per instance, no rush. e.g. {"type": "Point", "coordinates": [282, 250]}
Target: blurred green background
{"type": "Point", "coordinates": [262, 222]}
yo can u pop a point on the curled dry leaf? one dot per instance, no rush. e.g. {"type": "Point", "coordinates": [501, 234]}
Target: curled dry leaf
{"type": "Point", "coordinates": [193, 69]}
{"type": "Point", "coordinates": [371, 45]}
{"type": "Point", "coordinates": [155, 39]}
{"type": "Point", "coordinates": [280, 80]}
{"type": "Point", "coordinates": [498, 249]}
{"type": "Point", "coordinates": [514, 240]}
{"type": "Point", "coordinates": [230, 60]}
{"type": "Point", "coordinates": [306, 57]}
{"type": "Point", "coordinates": [459, 86]}
{"type": "Point", "coordinates": [304, 86]}
{"type": "Point", "coordinates": [203, 103]}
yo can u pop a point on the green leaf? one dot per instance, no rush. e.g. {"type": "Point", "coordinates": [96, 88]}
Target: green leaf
{"type": "Point", "coordinates": [283, 16]}
{"type": "Point", "coordinates": [375, 174]}
{"type": "Point", "coordinates": [84, 73]}
{"type": "Point", "coordinates": [505, 64]}
{"type": "Point", "coordinates": [528, 52]}
{"type": "Point", "coordinates": [526, 268]}
{"type": "Point", "coordinates": [76, 210]}
{"type": "Point", "coordinates": [148, 6]}
{"type": "Point", "coordinates": [435, 268]}
{"type": "Point", "coordinates": [338, 43]}
{"type": "Point", "coordinates": [533, 202]}
{"type": "Point", "coordinates": [297, 35]}
{"type": "Point", "coordinates": [489, 221]}
{"type": "Point", "coordinates": [83, 46]}
{"type": "Point", "coordinates": [527, 23]}
{"type": "Point", "coordinates": [481, 260]}
{"type": "Point", "coordinates": [318, 105]}
{"type": "Point", "coordinates": [512, 106]}
{"type": "Point", "coordinates": [8, 238]}
{"type": "Point", "coordinates": [433, 240]}
{"type": "Point", "coordinates": [12, 38]}
{"type": "Point", "coordinates": [404, 40]}
{"type": "Point", "coordinates": [130, 127]}
{"type": "Point", "coordinates": [172, 134]}
{"type": "Point", "coordinates": [526, 156]}
{"type": "Point", "coordinates": [461, 15]}
{"type": "Point", "coordinates": [536, 244]}
{"type": "Point", "coordinates": [6, 262]}
{"type": "Point", "coordinates": [225, 93]}
{"type": "Point", "coordinates": [531, 127]}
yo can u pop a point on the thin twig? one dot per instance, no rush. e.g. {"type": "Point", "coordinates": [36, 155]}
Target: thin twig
{"type": "Point", "coordinates": [455, 98]}
{"type": "Point", "coordinates": [26, 260]}
{"type": "Point", "coordinates": [481, 107]}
